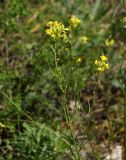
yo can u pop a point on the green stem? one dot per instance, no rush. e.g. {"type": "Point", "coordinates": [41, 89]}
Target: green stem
{"type": "Point", "coordinates": [69, 123]}
{"type": "Point", "coordinates": [124, 125]}
{"type": "Point", "coordinates": [66, 111]}
{"type": "Point", "coordinates": [75, 144]}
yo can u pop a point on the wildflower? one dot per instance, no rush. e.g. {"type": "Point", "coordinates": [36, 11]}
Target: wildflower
{"type": "Point", "coordinates": [74, 21]}
{"type": "Point", "coordinates": [103, 58]}
{"type": "Point", "coordinates": [101, 65]}
{"type": "Point", "coordinates": [85, 39]}
{"type": "Point", "coordinates": [110, 42]}
{"type": "Point", "coordinates": [56, 30]}
{"type": "Point", "coordinates": [79, 60]}
{"type": "Point", "coordinates": [2, 125]}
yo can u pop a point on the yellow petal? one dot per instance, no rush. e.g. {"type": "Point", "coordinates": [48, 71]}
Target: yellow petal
{"type": "Point", "coordinates": [50, 23]}
{"type": "Point", "coordinates": [96, 62]}
{"type": "Point", "coordinates": [100, 69]}
{"type": "Point", "coordinates": [103, 58]}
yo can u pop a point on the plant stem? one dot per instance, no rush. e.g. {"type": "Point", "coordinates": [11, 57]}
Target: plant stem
{"type": "Point", "coordinates": [65, 107]}
{"type": "Point", "coordinates": [69, 123]}
{"type": "Point", "coordinates": [124, 125]}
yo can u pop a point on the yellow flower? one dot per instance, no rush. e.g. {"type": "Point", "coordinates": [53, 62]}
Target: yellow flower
{"type": "Point", "coordinates": [101, 65]}
{"type": "Point", "coordinates": [79, 60]}
{"type": "Point", "coordinates": [2, 125]}
{"type": "Point", "coordinates": [50, 23]}
{"type": "Point", "coordinates": [103, 58]}
{"type": "Point", "coordinates": [49, 31]}
{"type": "Point", "coordinates": [56, 30]}
{"type": "Point", "coordinates": [85, 39]}
{"type": "Point", "coordinates": [96, 62]}
{"type": "Point", "coordinates": [74, 21]}
{"type": "Point", "coordinates": [105, 65]}
{"type": "Point", "coordinates": [110, 42]}
{"type": "Point", "coordinates": [100, 69]}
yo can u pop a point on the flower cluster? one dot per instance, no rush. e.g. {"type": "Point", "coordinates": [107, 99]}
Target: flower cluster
{"type": "Point", "coordinates": [74, 21]}
{"type": "Point", "coordinates": [101, 64]}
{"type": "Point", "coordinates": [56, 30]}
{"type": "Point", "coordinates": [110, 42]}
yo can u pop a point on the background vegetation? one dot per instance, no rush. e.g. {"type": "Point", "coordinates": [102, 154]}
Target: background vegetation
{"type": "Point", "coordinates": [31, 108]}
